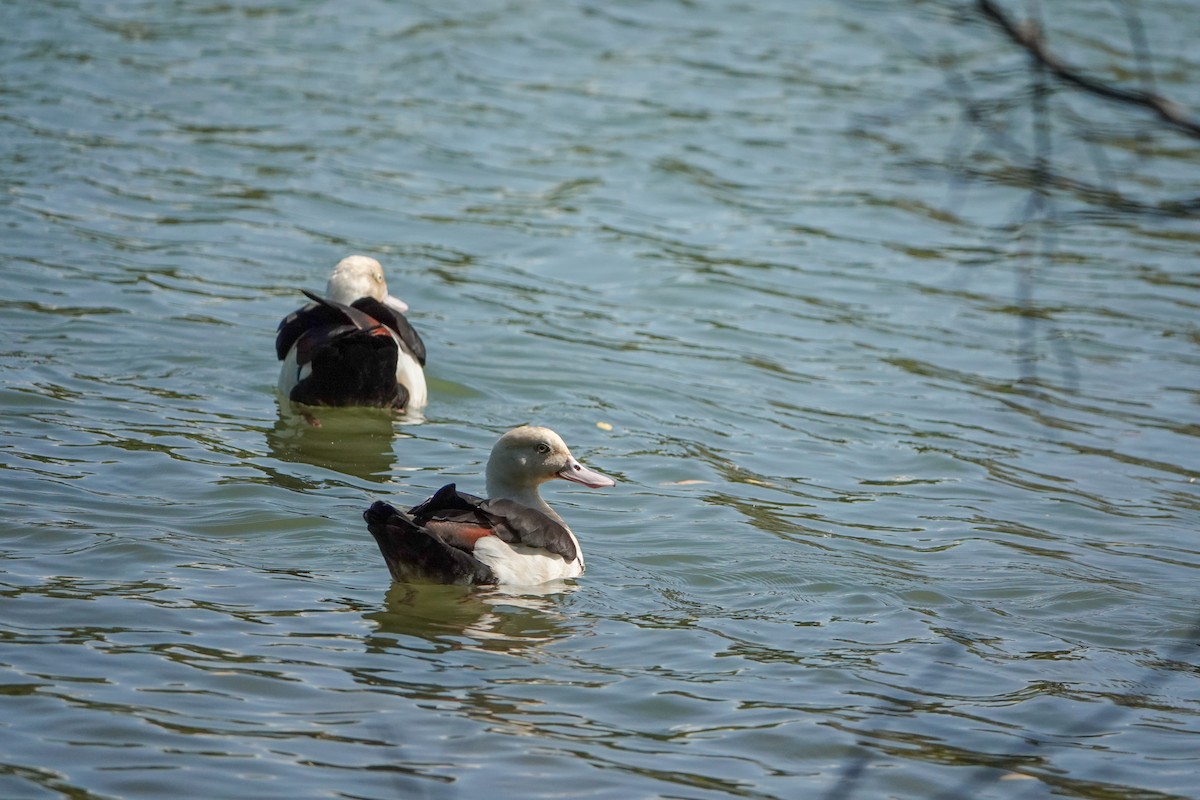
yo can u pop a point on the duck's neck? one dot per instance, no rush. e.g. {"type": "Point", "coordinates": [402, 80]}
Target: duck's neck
{"type": "Point", "coordinates": [525, 495]}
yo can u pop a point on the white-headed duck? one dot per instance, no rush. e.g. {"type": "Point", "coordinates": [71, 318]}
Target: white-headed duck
{"type": "Point", "coordinates": [512, 538]}
{"type": "Point", "coordinates": [352, 347]}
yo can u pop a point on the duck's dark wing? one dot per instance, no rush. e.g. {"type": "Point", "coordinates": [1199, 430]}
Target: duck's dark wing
{"type": "Point", "coordinates": [509, 520]}
{"type": "Point", "coordinates": [351, 356]}
{"type": "Point", "coordinates": [414, 553]}
{"type": "Point", "coordinates": [322, 314]}
{"type": "Point", "coordinates": [300, 322]}
{"type": "Point", "coordinates": [397, 322]}
{"type": "Point", "coordinates": [530, 527]}
{"type": "Point", "coordinates": [444, 501]}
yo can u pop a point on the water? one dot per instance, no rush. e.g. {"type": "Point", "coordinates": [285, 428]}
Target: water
{"type": "Point", "coordinates": [897, 517]}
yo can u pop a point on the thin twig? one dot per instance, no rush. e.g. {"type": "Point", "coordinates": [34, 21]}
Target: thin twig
{"type": "Point", "coordinates": [1029, 38]}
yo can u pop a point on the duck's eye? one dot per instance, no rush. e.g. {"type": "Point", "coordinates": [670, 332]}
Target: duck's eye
{"type": "Point", "coordinates": [543, 448]}
{"type": "Point", "coordinates": [379, 277]}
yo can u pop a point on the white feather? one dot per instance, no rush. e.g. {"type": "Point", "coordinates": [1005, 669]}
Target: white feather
{"type": "Point", "coordinates": [524, 566]}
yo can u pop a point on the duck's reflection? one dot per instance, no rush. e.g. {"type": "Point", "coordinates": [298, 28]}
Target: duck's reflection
{"type": "Point", "coordinates": [494, 619]}
{"type": "Point", "coordinates": [433, 640]}
{"type": "Point", "coordinates": [353, 441]}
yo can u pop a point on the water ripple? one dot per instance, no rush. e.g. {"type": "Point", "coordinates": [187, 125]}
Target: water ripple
{"type": "Point", "coordinates": [883, 522]}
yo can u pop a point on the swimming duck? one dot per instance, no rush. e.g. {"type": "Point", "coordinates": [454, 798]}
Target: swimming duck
{"type": "Point", "coordinates": [352, 347]}
{"type": "Point", "coordinates": [513, 537]}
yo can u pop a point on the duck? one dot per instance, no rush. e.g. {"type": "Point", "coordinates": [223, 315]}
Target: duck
{"type": "Point", "coordinates": [511, 538]}
{"type": "Point", "coordinates": [354, 346]}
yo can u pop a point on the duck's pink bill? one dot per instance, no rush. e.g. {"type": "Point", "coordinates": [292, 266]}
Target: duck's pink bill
{"type": "Point", "coordinates": [395, 303]}
{"type": "Point", "coordinates": [574, 471]}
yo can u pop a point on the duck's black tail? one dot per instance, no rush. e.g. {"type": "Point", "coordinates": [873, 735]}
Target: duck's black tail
{"type": "Point", "coordinates": [353, 368]}
{"type": "Point", "coordinates": [416, 555]}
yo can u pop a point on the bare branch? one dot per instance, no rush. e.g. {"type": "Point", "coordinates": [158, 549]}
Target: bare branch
{"type": "Point", "coordinates": [1029, 38]}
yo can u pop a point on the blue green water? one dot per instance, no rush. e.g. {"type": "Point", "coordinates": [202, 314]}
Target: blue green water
{"type": "Point", "coordinates": [896, 517]}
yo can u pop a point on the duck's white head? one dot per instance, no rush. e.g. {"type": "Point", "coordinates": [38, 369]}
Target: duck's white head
{"type": "Point", "coordinates": [356, 277]}
{"type": "Point", "coordinates": [527, 457]}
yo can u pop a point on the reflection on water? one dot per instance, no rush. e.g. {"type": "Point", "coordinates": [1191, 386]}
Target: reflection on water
{"type": "Point", "coordinates": [354, 441]}
{"type": "Point", "coordinates": [849, 525]}
{"type": "Point", "coordinates": [493, 619]}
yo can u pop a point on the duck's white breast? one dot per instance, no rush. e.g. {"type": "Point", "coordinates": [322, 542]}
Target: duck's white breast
{"type": "Point", "coordinates": [519, 565]}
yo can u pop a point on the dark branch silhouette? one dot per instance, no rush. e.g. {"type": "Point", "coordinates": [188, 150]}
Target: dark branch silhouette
{"type": "Point", "coordinates": [1028, 36]}
{"type": "Point", "coordinates": [1027, 158]}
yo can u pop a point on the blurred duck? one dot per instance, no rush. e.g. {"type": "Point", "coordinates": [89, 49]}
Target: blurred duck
{"type": "Point", "coordinates": [352, 347]}
{"type": "Point", "coordinates": [512, 538]}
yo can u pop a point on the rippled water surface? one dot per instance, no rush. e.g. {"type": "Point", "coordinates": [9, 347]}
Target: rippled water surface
{"type": "Point", "coordinates": [907, 502]}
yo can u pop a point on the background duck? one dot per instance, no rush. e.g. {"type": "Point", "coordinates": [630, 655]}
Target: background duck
{"type": "Point", "coordinates": [353, 347]}
{"type": "Point", "coordinates": [513, 537]}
